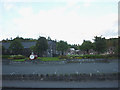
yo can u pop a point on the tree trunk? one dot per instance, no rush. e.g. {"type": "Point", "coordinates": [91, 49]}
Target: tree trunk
{"type": "Point", "coordinates": [62, 52]}
{"type": "Point", "coordinates": [87, 51]}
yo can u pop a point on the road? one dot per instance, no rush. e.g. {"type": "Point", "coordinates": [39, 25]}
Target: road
{"type": "Point", "coordinates": [60, 68]}
{"type": "Point", "coordinates": [23, 68]}
{"type": "Point", "coordinates": [52, 84]}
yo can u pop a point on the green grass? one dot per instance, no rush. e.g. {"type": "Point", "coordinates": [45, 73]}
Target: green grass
{"type": "Point", "coordinates": [40, 58]}
{"type": "Point", "coordinates": [19, 60]}
{"type": "Point", "coordinates": [49, 58]}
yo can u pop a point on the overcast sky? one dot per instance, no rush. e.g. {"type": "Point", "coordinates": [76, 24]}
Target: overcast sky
{"type": "Point", "coordinates": [69, 20]}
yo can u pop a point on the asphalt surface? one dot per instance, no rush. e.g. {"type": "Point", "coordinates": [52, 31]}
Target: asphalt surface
{"type": "Point", "coordinates": [111, 67]}
{"type": "Point", "coordinates": [33, 68]}
{"type": "Point", "coordinates": [50, 84]}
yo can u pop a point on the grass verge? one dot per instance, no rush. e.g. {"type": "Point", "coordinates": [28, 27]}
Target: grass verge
{"type": "Point", "coordinates": [40, 58]}
{"type": "Point", "coordinates": [49, 58]}
{"type": "Point", "coordinates": [19, 60]}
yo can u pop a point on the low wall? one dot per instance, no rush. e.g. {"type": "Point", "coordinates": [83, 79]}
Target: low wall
{"type": "Point", "coordinates": [58, 62]}
{"type": "Point", "coordinates": [61, 77]}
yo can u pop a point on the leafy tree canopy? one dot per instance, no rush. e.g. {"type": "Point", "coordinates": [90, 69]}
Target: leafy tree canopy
{"type": "Point", "coordinates": [100, 44]}
{"type": "Point", "coordinates": [33, 48]}
{"type": "Point", "coordinates": [41, 45]}
{"type": "Point", "coordinates": [86, 46]}
{"type": "Point", "coordinates": [19, 38]}
{"type": "Point", "coordinates": [62, 46]}
{"type": "Point", "coordinates": [16, 47]}
{"type": "Point", "coordinates": [76, 47]}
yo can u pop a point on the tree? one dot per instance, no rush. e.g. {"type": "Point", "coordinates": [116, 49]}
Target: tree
{"type": "Point", "coordinates": [117, 49]}
{"type": "Point", "coordinates": [86, 46]}
{"type": "Point", "coordinates": [49, 39]}
{"type": "Point", "coordinates": [74, 46]}
{"type": "Point", "coordinates": [24, 39]}
{"type": "Point", "coordinates": [41, 45]}
{"type": "Point", "coordinates": [62, 46]}
{"type": "Point", "coordinates": [3, 49]}
{"type": "Point", "coordinates": [100, 44]}
{"type": "Point", "coordinates": [112, 42]}
{"type": "Point", "coordinates": [16, 47]}
{"type": "Point", "coordinates": [18, 38]}
{"type": "Point", "coordinates": [33, 48]}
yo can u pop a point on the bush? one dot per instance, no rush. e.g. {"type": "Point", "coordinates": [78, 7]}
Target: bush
{"type": "Point", "coordinates": [92, 56]}
{"type": "Point", "coordinates": [113, 56]}
{"type": "Point", "coordinates": [5, 56]}
{"type": "Point", "coordinates": [63, 57]}
{"type": "Point", "coordinates": [48, 58]}
{"type": "Point", "coordinates": [17, 57]}
{"type": "Point", "coordinates": [78, 57]}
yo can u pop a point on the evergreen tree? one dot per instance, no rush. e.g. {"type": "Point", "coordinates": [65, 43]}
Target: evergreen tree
{"type": "Point", "coordinates": [41, 45]}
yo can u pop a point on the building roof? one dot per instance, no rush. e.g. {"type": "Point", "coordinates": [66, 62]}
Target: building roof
{"type": "Point", "coordinates": [25, 44]}
{"type": "Point", "coordinates": [28, 44]}
{"type": "Point", "coordinates": [6, 44]}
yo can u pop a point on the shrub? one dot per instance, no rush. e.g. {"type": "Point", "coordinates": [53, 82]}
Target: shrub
{"type": "Point", "coordinates": [63, 57]}
{"type": "Point", "coordinates": [5, 56]}
{"type": "Point", "coordinates": [111, 56]}
{"type": "Point", "coordinates": [92, 56]}
{"type": "Point", "coordinates": [78, 57]}
{"type": "Point", "coordinates": [66, 75]}
{"type": "Point", "coordinates": [17, 57]}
